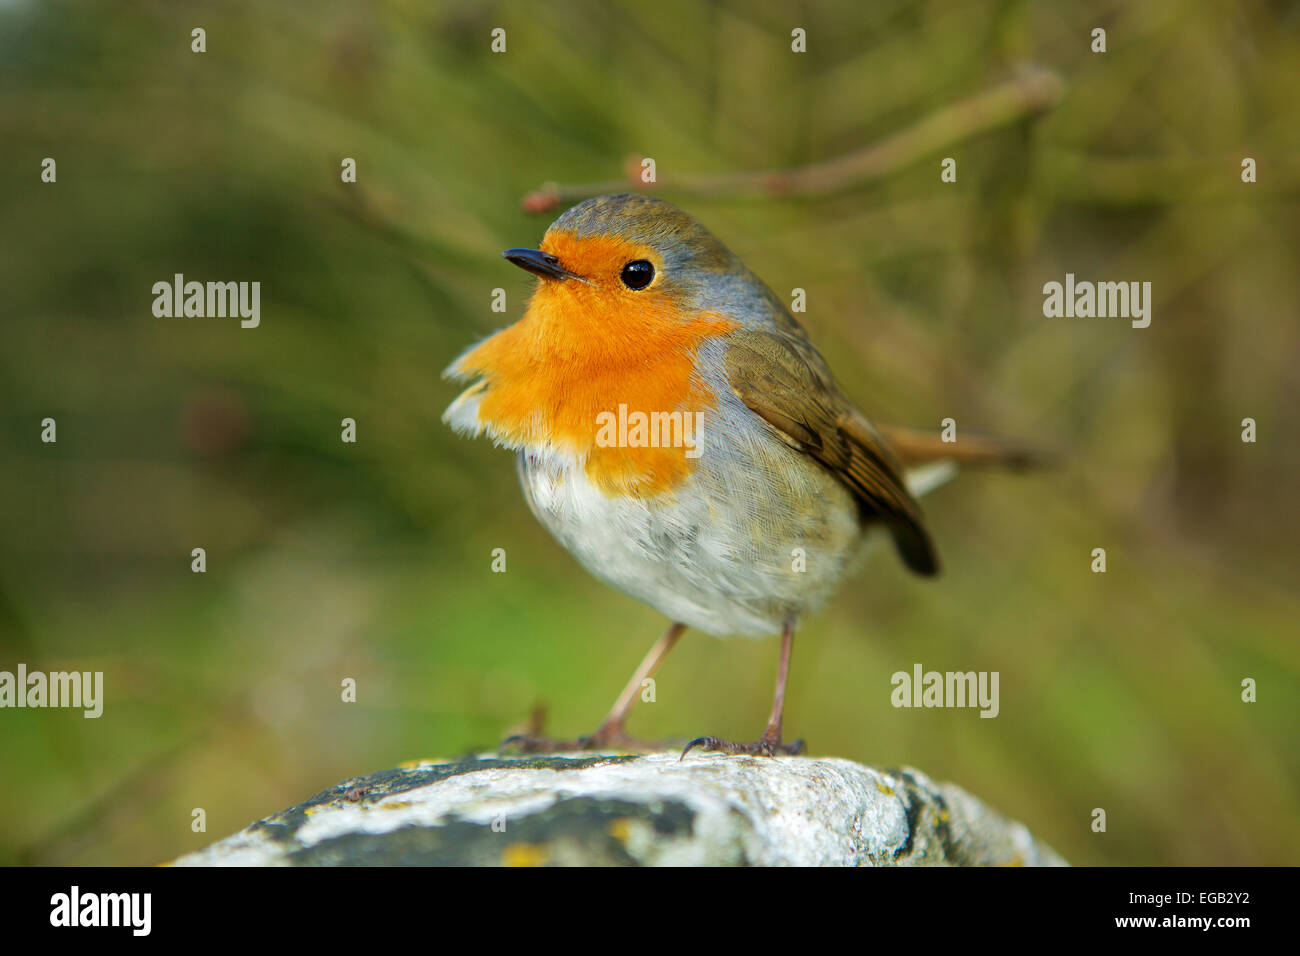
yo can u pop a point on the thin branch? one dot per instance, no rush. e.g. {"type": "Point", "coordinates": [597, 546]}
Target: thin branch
{"type": "Point", "coordinates": [1033, 91]}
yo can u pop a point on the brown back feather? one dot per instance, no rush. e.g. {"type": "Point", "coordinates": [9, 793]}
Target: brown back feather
{"type": "Point", "coordinates": [782, 379]}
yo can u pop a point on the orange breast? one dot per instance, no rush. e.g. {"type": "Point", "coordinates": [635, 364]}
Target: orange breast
{"type": "Point", "coordinates": [579, 352]}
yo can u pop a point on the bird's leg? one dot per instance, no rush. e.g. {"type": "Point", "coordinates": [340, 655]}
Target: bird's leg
{"type": "Point", "coordinates": [769, 745]}
{"type": "Point", "coordinates": [610, 733]}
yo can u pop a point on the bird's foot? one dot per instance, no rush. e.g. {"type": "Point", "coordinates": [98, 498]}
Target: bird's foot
{"type": "Point", "coordinates": [769, 745]}
{"type": "Point", "coordinates": [533, 744]}
{"type": "Point", "coordinates": [606, 738]}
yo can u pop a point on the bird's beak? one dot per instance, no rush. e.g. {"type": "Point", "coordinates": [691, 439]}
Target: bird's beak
{"type": "Point", "coordinates": [542, 263]}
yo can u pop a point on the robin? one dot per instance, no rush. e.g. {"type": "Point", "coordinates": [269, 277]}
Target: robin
{"type": "Point", "coordinates": [680, 435]}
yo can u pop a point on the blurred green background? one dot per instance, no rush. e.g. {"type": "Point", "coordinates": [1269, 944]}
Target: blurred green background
{"type": "Point", "coordinates": [372, 561]}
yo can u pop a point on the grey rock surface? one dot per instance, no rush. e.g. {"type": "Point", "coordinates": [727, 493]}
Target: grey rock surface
{"type": "Point", "coordinates": [588, 810]}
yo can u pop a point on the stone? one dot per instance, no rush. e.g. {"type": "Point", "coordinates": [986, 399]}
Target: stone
{"type": "Point", "coordinates": [653, 810]}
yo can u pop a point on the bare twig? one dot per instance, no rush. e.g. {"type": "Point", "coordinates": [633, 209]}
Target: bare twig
{"type": "Point", "coordinates": [1032, 91]}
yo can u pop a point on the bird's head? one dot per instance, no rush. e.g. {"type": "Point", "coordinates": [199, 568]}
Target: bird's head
{"type": "Point", "coordinates": [628, 289]}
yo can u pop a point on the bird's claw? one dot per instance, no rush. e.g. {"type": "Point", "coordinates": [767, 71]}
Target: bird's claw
{"type": "Point", "coordinates": [532, 744]}
{"type": "Point", "coordinates": [765, 746]}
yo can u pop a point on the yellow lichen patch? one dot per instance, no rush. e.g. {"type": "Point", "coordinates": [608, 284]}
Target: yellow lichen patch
{"type": "Point", "coordinates": [944, 816]}
{"type": "Point", "coordinates": [1016, 860]}
{"type": "Point", "coordinates": [523, 854]}
{"type": "Point", "coordinates": [885, 788]}
{"type": "Point", "coordinates": [620, 829]}
{"type": "Point", "coordinates": [415, 764]}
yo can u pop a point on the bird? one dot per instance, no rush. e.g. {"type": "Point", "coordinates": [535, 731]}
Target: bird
{"type": "Point", "coordinates": [677, 432]}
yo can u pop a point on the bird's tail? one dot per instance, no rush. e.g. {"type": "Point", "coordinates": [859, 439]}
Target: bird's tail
{"type": "Point", "coordinates": [914, 447]}
{"type": "Point", "coordinates": [929, 461]}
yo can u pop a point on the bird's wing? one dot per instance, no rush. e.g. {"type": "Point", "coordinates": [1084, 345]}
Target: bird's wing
{"type": "Point", "coordinates": [782, 379]}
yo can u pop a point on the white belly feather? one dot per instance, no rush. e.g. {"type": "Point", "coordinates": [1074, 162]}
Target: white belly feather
{"type": "Point", "coordinates": [757, 535]}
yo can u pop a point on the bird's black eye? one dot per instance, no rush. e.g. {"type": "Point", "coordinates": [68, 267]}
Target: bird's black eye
{"type": "Point", "coordinates": [637, 274]}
